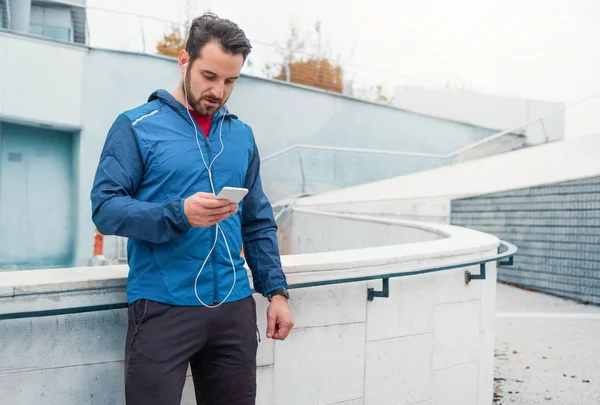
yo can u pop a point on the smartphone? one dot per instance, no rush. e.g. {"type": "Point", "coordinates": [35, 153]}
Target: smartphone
{"type": "Point", "coordinates": [233, 194]}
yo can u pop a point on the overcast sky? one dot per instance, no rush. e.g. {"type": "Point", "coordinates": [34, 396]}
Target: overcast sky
{"type": "Point", "coordinates": [538, 49]}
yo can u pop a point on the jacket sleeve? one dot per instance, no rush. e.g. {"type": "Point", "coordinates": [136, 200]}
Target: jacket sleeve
{"type": "Point", "coordinates": [259, 233]}
{"type": "Point", "coordinates": [115, 211]}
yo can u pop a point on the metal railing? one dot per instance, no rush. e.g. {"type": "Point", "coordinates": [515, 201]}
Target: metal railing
{"type": "Point", "coordinates": [504, 257]}
{"type": "Point", "coordinates": [284, 214]}
{"type": "Point", "coordinates": [450, 155]}
{"type": "Point", "coordinates": [305, 179]}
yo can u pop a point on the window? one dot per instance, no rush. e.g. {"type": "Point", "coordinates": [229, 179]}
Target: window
{"type": "Point", "coordinates": [51, 22]}
{"type": "Point", "coordinates": [4, 14]}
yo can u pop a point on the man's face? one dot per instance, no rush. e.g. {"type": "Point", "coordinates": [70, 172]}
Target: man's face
{"type": "Point", "coordinates": [210, 79]}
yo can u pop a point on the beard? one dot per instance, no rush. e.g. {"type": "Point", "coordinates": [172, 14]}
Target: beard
{"type": "Point", "coordinates": [197, 103]}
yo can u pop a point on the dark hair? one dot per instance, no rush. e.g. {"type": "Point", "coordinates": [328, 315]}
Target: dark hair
{"type": "Point", "coordinates": [208, 27]}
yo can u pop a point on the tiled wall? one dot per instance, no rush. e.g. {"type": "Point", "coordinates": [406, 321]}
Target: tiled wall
{"type": "Point", "coordinates": [556, 228]}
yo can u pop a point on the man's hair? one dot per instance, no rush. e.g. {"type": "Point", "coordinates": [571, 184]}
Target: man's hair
{"type": "Point", "coordinates": [208, 27]}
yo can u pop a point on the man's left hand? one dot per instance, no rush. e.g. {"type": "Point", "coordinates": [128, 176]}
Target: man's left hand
{"type": "Point", "coordinates": [279, 318]}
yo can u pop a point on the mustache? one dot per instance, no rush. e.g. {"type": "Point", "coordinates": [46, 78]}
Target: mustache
{"type": "Point", "coordinates": [213, 99]}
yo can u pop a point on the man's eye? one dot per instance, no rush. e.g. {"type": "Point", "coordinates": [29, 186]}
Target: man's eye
{"type": "Point", "coordinates": [207, 77]}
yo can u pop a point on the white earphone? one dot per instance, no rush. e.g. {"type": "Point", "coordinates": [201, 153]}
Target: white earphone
{"type": "Point", "coordinates": [208, 168]}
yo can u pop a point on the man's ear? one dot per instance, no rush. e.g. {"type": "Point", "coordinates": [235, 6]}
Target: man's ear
{"type": "Point", "coordinates": [183, 60]}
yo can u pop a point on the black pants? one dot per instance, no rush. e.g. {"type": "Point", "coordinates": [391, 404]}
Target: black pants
{"type": "Point", "coordinates": [218, 344]}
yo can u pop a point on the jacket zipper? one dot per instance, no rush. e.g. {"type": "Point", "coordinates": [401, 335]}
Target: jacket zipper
{"type": "Point", "coordinates": [214, 232]}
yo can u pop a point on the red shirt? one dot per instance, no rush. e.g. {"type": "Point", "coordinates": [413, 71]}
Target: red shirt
{"type": "Point", "coordinates": [203, 122]}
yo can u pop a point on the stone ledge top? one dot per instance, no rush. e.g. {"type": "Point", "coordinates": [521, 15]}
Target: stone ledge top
{"type": "Point", "coordinates": [458, 245]}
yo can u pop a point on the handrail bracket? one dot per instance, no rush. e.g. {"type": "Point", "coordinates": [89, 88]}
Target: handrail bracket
{"type": "Point", "coordinates": [481, 276]}
{"type": "Point", "coordinates": [384, 293]}
{"type": "Point", "coordinates": [470, 276]}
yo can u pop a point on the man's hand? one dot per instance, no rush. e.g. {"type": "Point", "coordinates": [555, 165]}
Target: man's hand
{"type": "Point", "coordinates": [279, 318]}
{"type": "Point", "coordinates": [203, 210]}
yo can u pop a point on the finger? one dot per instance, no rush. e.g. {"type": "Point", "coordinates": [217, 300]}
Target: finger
{"type": "Point", "coordinates": [271, 325]}
{"type": "Point", "coordinates": [213, 203]}
{"type": "Point", "coordinates": [218, 212]}
{"type": "Point", "coordinates": [208, 196]}
{"type": "Point", "coordinates": [219, 219]}
{"type": "Point", "coordinates": [216, 220]}
{"type": "Point", "coordinates": [283, 330]}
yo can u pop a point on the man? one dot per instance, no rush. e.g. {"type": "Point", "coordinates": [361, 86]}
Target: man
{"type": "Point", "coordinates": [190, 300]}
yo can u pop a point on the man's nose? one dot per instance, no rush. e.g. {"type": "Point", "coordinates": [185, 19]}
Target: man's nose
{"type": "Point", "coordinates": [218, 90]}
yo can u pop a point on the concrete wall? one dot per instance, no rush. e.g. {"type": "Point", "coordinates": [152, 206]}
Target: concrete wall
{"type": "Point", "coordinates": [310, 232]}
{"type": "Point", "coordinates": [428, 209]}
{"type": "Point", "coordinates": [557, 229]}
{"type": "Point", "coordinates": [487, 110]}
{"type": "Point", "coordinates": [51, 96]}
{"type": "Point", "coordinates": [283, 115]}
{"type": "Point", "coordinates": [405, 349]}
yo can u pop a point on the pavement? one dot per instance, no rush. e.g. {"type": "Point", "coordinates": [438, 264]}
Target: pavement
{"type": "Point", "coordinates": [547, 350]}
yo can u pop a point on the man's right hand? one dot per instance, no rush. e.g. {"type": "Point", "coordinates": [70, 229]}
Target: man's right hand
{"type": "Point", "coordinates": [203, 210]}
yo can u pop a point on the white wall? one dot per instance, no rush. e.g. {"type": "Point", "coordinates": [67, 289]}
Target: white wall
{"type": "Point", "coordinates": [428, 209]}
{"type": "Point", "coordinates": [310, 232]}
{"type": "Point", "coordinates": [41, 81]}
{"type": "Point", "coordinates": [431, 342]}
{"type": "Point", "coordinates": [486, 110]}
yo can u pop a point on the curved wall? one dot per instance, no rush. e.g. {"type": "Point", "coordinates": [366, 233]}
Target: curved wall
{"type": "Point", "coordinates": [430, 342]}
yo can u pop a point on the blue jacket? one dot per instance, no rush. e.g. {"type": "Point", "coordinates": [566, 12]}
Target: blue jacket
{"type": "Point", "coordinates": [149, 164]}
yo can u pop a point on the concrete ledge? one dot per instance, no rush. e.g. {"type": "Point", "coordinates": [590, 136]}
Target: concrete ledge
{"type": "Point", "coordinates": [431, 339]}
